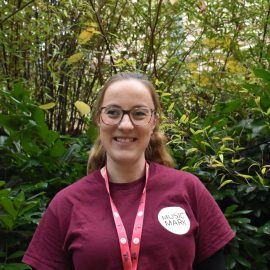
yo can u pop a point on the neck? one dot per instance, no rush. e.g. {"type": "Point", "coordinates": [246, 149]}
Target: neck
{"type": "Point", "coordinates": [125, 173]}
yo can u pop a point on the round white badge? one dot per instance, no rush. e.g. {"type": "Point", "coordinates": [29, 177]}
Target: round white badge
{"type": "Point", "coordinates": [174, 219]}
{"type": "Point", "coordinates": [123, 240]}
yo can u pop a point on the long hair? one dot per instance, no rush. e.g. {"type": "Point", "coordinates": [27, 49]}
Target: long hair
{"type": "Point", "coordinates": [156, 150]}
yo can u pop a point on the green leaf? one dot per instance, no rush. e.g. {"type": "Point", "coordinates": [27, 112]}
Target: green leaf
{"type": "Point", "coordinates": [261, 179]}
{"type": "Point", "coordinates": [10, 122]}
{"type": "Point", "coordinates": [4, 192]}
{"type": "Point", "coordinates": [58, 149]}
{"type": "Point", "coordinates": [262, 73]}
{"type": "Point", "coordinates": [265, 228]}
{"type": "Point", "coordinates": [39, 117]}
{"type": "Point", "coordinates": [15, 266]}
{"type": "Point", "coordinates": [18, 201]}
{"type": "Point", "coordinates": [253, 88]}
{"type": "Point", "coordinates": [230, 209]}
{"type": "Point", "coordinates": [7, 205]}
{"type": "Point", "coordinates": [229, 106]}
{"type": "Point", "coordinates": [28, 206]}
{"type": "Point", "coordinates": [239, 220]}
{"type": "Point", "coordinates": [92, 133]}
{"type": "Point", "coordinates": [2, 183]}
{"type": "Point", "coordinates": [19, 92]}
{"type": "Point", "coordinates": [16, 254]}
{"type": "Point", "coordinates": [7, 221]}
{"type": "Point", "coordinates": [244, 262]}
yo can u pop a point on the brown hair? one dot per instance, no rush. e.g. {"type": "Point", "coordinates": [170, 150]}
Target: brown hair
{"type": "Point", "coordinates": [156, 150]}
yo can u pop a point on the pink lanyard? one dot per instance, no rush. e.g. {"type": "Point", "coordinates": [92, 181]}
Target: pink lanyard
{"type": "Point", "coordinates": [129, 256]}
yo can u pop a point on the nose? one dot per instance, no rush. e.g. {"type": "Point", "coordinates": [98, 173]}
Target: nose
{"type": "Point", "coordinates": [125, 122]}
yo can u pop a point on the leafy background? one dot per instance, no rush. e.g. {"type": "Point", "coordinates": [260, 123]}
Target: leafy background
{"type": "Point", "coordinates": [210, 63]}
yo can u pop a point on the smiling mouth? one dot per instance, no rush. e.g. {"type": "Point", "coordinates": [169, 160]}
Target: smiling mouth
{"type": "Point", "coordinates": [124, 140]}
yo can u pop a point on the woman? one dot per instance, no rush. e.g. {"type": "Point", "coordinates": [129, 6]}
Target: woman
{"type": "Point", "coordinates": [132, 211]}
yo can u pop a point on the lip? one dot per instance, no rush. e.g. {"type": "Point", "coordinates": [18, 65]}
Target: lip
{"type": "Point", "coordinates": [124, 140]}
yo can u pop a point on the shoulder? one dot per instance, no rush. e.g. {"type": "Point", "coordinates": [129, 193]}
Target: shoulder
{"type": "Point", "coordinates": [166, 175]}
{"type": "Point", "coordinates": [76, 193]}
{"type": "Point", "coordinates": [176, 183]}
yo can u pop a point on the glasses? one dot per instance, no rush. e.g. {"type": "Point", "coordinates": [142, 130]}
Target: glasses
{"type": "Point", "coordinates": [139, 116]}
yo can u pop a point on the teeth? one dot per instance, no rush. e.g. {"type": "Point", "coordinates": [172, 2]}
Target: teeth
{"type": "Point", "coordinates": [124, 140]}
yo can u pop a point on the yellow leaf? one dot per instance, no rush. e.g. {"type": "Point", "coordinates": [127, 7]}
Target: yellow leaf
{"type": "Point", "coordinates": [257, 101]}
{"type": "Point", "coordinates": [192, 66]}
{"type": "Point", "coordinates": [221, 157]}
{"type": "Point", "coordinates": [204, 80]}
{"type": "Point", "coordinates": [227, 43]}
{"type": "Point", "coordinates": [173, 1]}
{"type": "Point", "coordinates": [262, 181]}
{"type": "Point", "coordinates": [87, 34]}
{"type": "Point", "coordinates": [184, 119]}
{"type": "Point", "coordinates": [84, 36]}
{"type": "Point", "coordinates": [171, 107]}
{"type": "Point", "coordinates": [211, 42]}
{"type": "Point", "coordinates": [82, 107]}
{"type": "Point", "coordinates": [192, 130]}
{"type": "Point", "coordinates": [225, 183]}
{"type": "Point", "coordinates": [92, 24]}
{"type": "Point", "coordinates": [75, 58]}
{"type": "Point", "coordinates": [191, 150]}
{"type": "Point", "coordinates": [158, 82]}
{"type": "Point", "coordinates": [227, 139]}
{"type": "Point", "coordinates": [216, 164]}
{"type": "Point", "coordinates": [236, 160]}
{"type": "Point", "coordinates": [234, 66]}
{"type": "Point", "coordinates": [246, 176]}
{"type": "Point", "coordinates": [198, 132]}
{"type": "Point", "coordinates": [165, 94]}
{"type": "Point", "coordinates": [47, 106]}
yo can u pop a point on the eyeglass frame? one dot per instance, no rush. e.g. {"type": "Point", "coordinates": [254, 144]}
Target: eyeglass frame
{"type": "Point", "coordinates": [128, 113]}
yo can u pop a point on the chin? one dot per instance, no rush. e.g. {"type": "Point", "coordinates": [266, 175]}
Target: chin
{"type": "Point", "coordinates": [126, 159]}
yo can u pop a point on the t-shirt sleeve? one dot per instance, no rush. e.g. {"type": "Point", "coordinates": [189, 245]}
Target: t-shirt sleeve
{"type": "Point", "coordinates": [214, 231]}
{"type": "Point", "coordinates": [46, 251]}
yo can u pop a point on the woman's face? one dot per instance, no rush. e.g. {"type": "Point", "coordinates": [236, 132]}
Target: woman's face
{"type": "Point", "coordinates": [126, 143]}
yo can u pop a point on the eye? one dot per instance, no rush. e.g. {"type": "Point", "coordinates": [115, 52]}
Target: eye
{"type": "Point", "coordinates": [140, 113]}
{"type": "Point", "coordinates": [113, 112]}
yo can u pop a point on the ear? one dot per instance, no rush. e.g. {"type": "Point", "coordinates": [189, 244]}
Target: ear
{"type": "Point", "coordinates": [97, 120]}
{"type": "Point", "coordinates": [155, 122]}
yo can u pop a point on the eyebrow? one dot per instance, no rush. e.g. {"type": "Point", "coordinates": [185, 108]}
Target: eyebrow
{"type": "Point", "coordinates": [117, 106]}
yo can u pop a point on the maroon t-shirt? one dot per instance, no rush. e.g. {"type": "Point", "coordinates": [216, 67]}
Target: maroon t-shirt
{"type": "Point", "coordinates": [183, 225]}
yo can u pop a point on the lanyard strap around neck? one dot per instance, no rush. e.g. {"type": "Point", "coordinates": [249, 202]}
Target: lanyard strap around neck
{"type": "Point", "coordinates": [130, 255]}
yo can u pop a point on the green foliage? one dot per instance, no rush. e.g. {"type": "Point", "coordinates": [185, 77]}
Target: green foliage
{"type": "Point", "coordinates": [18, 217]}
{"type": "Point", "coordinates": [65, 54]}
{"type": "Point", "coordinates": [229, 151]}
{"type": "Point", "coordinates": [35, 163]}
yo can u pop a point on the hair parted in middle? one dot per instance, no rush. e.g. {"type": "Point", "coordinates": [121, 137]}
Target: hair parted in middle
{"type": "Point", "coordinates": [156, 150]}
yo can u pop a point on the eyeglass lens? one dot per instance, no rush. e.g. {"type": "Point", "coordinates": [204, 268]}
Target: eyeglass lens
{"type": "Point", "coordinates": [138, 116]}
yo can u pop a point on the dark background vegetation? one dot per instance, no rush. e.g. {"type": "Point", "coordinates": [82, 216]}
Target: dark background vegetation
{"type": "Point", "coordinates": [210, 62]}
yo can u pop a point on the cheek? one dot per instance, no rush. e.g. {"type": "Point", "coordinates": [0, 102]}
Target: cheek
{"type": "Point", "coordinates": [147, 133]}
{"type": "Point", "coordinates": [102, 132]}
{"type": "Point", "coordinates": [105, 131]}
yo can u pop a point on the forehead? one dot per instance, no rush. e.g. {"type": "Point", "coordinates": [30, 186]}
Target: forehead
{"type": "Point", "coordinates": [128, 93]}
